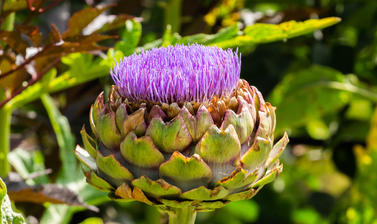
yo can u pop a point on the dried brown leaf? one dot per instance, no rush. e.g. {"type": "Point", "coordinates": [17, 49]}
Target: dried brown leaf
{"type": "Point", "coordinates": [39, 194]}
{"type": "Point", "coordinates": [116, 23]}
{"type": "Point", "coordinates": [15, 5]}
{"type": "Point", "coordinates": [32, 32]}
{"type": "Point", "coordinates": [81, 19]}
{"type": "Point", "coordinates": [14, 40]}
{"type": "Point", "coordinates": [54, 36]}
{"type": "Point", "coordinates": [12, 82]}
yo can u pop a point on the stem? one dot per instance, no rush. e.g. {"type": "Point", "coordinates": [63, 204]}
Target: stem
{"type": "Point", "coordinates": [5, 118]}
{"type": "Point", "coordinates": [184, 215]}
{"type": "Point", "coordinates": [173, 15]}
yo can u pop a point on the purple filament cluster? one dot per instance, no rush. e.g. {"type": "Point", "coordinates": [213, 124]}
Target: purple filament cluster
{"type": "Point", "coordinates": [178, 74]}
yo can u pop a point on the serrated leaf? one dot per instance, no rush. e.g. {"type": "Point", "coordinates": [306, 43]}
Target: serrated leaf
{"type": "Point", "coordinates": [130, 37]}
{"type": "Point", "coordinates": [83, 68]}
{"type": "Point", "coordinates": [26, 162]}
{"type": "Point", "coordinates": [81, 19]}
{"type": "Point", "coordinates": [262, 33]}
{"type": "Point", "coordinates": [14, 40]}
{"type": "Point", "coordinates": [7, 215]}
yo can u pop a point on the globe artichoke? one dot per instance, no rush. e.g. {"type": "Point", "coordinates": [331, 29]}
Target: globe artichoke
{"type": "Point", "coordinates": [179, 130]}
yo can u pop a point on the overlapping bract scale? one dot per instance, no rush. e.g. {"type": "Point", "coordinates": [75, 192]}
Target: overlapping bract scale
{"type": "Point", "coordinates": [198, 154]}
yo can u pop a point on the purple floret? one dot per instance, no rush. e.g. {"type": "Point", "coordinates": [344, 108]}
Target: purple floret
{"type": "Point", "coordinates": [178, 74]}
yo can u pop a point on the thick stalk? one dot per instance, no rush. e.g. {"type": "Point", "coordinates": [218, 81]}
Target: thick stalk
{"type": "Point", "coordinates": [185, 215]}
{"type": "Point", "coordinates": [5, 118]}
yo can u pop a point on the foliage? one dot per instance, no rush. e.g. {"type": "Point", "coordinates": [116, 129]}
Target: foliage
{"type": "Point", "coordinates": [7, 215]}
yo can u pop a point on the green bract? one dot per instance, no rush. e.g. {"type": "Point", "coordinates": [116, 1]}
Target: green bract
{"type": "Point", "coordinates": [197, 155]}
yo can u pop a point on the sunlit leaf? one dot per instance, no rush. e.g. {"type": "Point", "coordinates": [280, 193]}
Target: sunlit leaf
{"type": "Point", "coordinates": [223, 34]}
{"type": "Point", "coordinates": [317, 129]}
{"type": "Point", "coordinates": [261, 33]}
{"type": "Point", "coordinates": [28, 162]}
{"type": "Point", "coordinates": [7, 215]}
{"type": "Point", "coordinates": [264, 33]}
{"type": "Point", "coordinates": [130, 37]}
{"type": "Point", "coordinates": [92, 220]}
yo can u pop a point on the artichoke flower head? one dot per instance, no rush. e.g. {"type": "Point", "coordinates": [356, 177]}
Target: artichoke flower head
{"type": "Point", "coordinates": [180, 129]}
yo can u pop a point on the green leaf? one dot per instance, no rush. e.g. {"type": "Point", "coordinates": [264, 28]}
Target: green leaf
{"type": "Point", "coordinates": [65, 138]}
{"type": "Point", "coordinates": [70, 174]}
{"type": "Point", "coordinates": [308, 94]}
{"type": "Point", "coordinates": [14, 5]}
{"type": "Point", "coordinates": [92, 220]}
{"type": "Point", "coordinates": [223, 34]}
{"type": "Point", "coordinates": [130, 37]}
{"type": "Point", "coordinates": [264, 33]}
{"type": "Point", "coordinates": [307, 216]}
{"type": "Point", "coordinates": [7, 215]}
{"type": "Point", "coordinates": [26, 162]}
{"type": "Point", "coordinates": [82, 68]}
{"type": "Point", "coordinates": [244, 210]}
{"type": "Point", "coordinates": [168, 37]}
{"type": "Point", "coordinates": [318, 129]}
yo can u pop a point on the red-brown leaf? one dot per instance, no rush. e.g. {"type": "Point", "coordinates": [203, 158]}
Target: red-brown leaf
{"type": "Point", "coordinates": [54, 36]}
{"type": "Point", "coordinates": [81, 19]}
{"type": "Point", "coordinates": [14, 40]}
{"type": "Point", "coordinates": [39, 194]}
{"type": "Point", "coordinates": [116, 23]}
{"type": "Point", "coordinates": [32, 32]}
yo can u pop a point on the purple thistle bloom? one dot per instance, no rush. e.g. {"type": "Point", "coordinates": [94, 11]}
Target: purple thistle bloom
{"type": "Point", "coordinates": [178, 74]}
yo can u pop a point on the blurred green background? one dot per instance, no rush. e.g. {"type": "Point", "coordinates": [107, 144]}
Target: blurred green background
{"type": "Point", "coordinates": [323, 83]}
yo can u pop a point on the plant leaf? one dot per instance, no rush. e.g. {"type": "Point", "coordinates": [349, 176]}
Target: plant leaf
{"type": "Point", "coordinates": [264, 33]}
{"type": "Point", "coordinates": [130, 37]}
{"type": "Point", "coordinates": [65, 138]}
{"type": "Point", "coordinates": [19, 191]}
{"type": "Point", "coordinates": [7, 215]}
{"type": "Point", "coordinates": [28, 162]}
{"type": "Point", "coordinates": [81, 19]}
{"type": "Point", "coordinates": [307, 95]}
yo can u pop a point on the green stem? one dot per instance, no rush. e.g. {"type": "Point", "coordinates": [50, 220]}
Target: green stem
{"type": "Point", "coordinates": [184, 215]}
{"type": "Point", "coordinates": [173, 15]}
{"type": "Point", "coordinates": [5, 111]}
{"type": "Point", "coordinates": [5, 118]}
